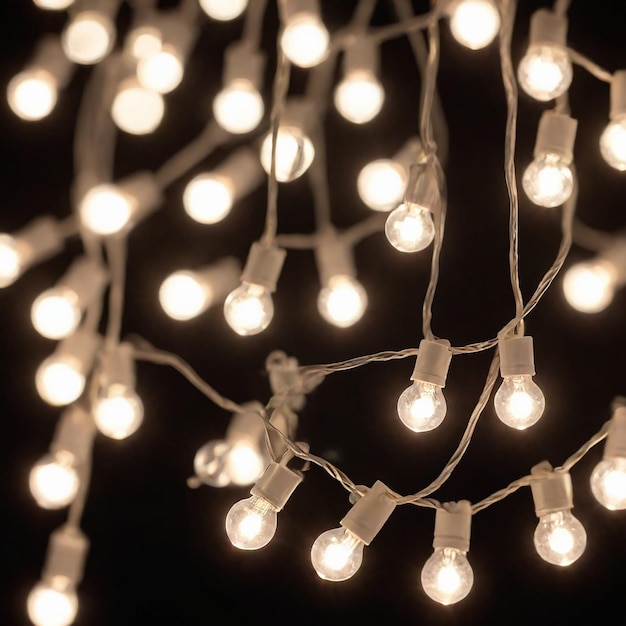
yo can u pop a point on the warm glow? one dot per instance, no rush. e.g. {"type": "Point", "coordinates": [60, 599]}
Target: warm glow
{"type": "Point", "coordinates": [161, 72]}
{"type": "Point", "coordinates": [359, 97]}
{"type": "Point", "coordinates": [224, 10]}
{"type": "Point", "coordinates": [208, 198]}
{"type": "Point", "coordinates": [613, 144]}
{"type": "Point", "coordinates": [184, 295]}
{"type": "Point", "coordinates": [55, 313]}
{"type": "Point", "coordinates": [88, 38]}
{"type": "Point", "coordinates": [475, 23]}
{"type": "Point", "coordinates": [305, 40]}
{"type": "Point", "coordinates": [118, 413]}
{"type": "Point", "coordinates": [59, 381]}
{"type": "Point", "coordinates": [548, 181]}
{"type": "Point", "coordinates": [381, 184]}
{"type": "Point", "coordinates": [545, 72]}
{"type": "Point", "coordinates": [10, 260]}
{"type": "Point", "coordinates": [53, 481]}
{"type": "Point", "coordinates": [51, 604]}
{"type": "Point", "coordinates": [343, 301]}
{"type": "Point", "coordinates": [238, 108]}
{"type": "Point", "coordinates": [245, 464]}
{"type": "Point", "coordinates": [410, 228]}
{"type": "Point", "coordinates": [589, 287]}
{"type": "Point", "coordinates": [294, 153]}
{"type": "Point", "coordinates": [105, 210]}
{"type": "Point", "coordinates": [137, 110]}
{"type": "Point", "coordinates": [32, 94]}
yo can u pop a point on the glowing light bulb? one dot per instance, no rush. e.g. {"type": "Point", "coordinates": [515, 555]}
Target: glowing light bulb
{"type": "Point", "coordinates": [55, 313]}
{"type": "Point", "coordinates": [53, 481]}
{"type": "Point", "coordinates": [183, 295]}
{"type": "Point", "coordinates": [244, 463]}
{"type": "Point", "coordinates": [32, 94]}
{"type": "Point", "coordinates": [608, 483]}
{"type": "Point", "coordinates": [208, 198]}
{"type": "Point", "coordinates": [105, 210]}
{"type": "Point", "coordinates": [422, 406]}
{"type": "Point", "coordinates": [251, 523]}
{"type": "Point", "coordinates": [548, 181]}
{"type": "Point", "coordinates": [560, 538]}
{"type": "Point", "coordinates": [410, 228]}
{"type": "Point", "coordinates": [118, 413]}
{"type": "Point", "coordinates": [519, 402]}
{"type": "Point", "coordinates": [53, 5]}
{"type": "Point", "coordinates": [10, 260]}
{"type": "Point", "coordinates": [305, 40]}
{"type": "Point", "coordinates": [143, 41]}
{"type": "Point", "coordinates": [337, 554]}
{"type": "Point", "coordinates": [294, 153]}
{"type": "Point", "coordinates": [161, 72]}
{"type": "Point", "coordinates": [59, 380]}
{"type": "Point", "coordinates": [447, 576]}
{"type": "Point", "coordinates": [238, 108]}
{"type": "Point", "coordinates": [88, 38]}
{"type": "Point", "coordinates": [249, 309]}
{"type": "Point", "coordinates": [381, 184]}
{"type": "Point", "coordinates": [359, 97]}
{"type": "Point", "coordinates": [545, 72]}
{"type": "Point", "coordinates": [224, 10]}
{"type": "Point", "coordinates": [137, 110]}
{"type": "Point", "coordinates": [589, 287]}
{"type": "Point", "coordinates": [209, 463]}
{"type": "Point", "coordinates": [53, 603]}
{"type": "Point", "coordinates": [474, 23]}
{"type": "Point", "coordinates": [343, 301]}
{"type": "Point", "coordinates": [613, 144]}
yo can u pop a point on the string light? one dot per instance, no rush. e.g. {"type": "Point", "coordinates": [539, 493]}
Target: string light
{"type": "Point", "coordinates": [474, 23]}
{"type": "Point", "coordinates": [89, 35]}
{"type": "Point", "coordinates": [136, 109]}
{"type": "Point", "coordinates": [305, 40]}
{"type": "Point", "coordinates": [613, 138]}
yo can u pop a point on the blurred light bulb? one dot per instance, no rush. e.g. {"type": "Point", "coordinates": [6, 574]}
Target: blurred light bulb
{"type": "Point", "coordinates": [209, 463]}
{"type": "Point", "coordinates": [608, 483]}
{"type": "Point", "coordinates": [224, 10]}
{"type": "Point", "coordinates": [475, 23]}
{"type": "Point", "coordinates": [10, 260]}
{"type": "Point", "coordinates": [88, 38]}
{"type": "Point", "coordinates": [118, 413]}
{"type": "Point", "coordinates": [32, 94]}
{"type": "Point", "coordinates": [337, 554]}
{"type": "Point", "coordinates": [422, 406]}
{"type": "Point", "coordinates": [52, 603]}
{"type": "Point", "coordinates": [545, 72]}
{"type": "Point", "coordinates": [238, 108]}
{"type": "Point", "coordinates": [208, 198]}
{"type": "Point", "coordinates": [381, 184]}
{"type": "Point", "coordinates": [410, 228]}
{"type": "Point", "coordinates": [447, 576]}
{"type": "Point", "coordinates": [251, 523]}
{"type": "Point", "coordinates": [249, 309]}
{"type": "Point", "coordinates": [613, 144]}
{"type": "Point", "coordinates": [137, 110]}
{"type": "Point", "coordinates": [359, 97]}
{"type": "Point", "coordinates": [519, 402]}
{"type": "Point", "coordinates": [244, 463]}
{"type": "Point", "coordinates": [53, 481]}
{"type": "Point", "coordinates": [305, 40]}
{"type": "Point", "coordinates": [560, 538]}
{"type": "Point", "coordinates": [55, 313]}
{"type": "Point", "coordinates": [143, 41]}
{"type": "Point", "coordinates": [548, 181]}
{"type": "Point", "coordinates": [53, 5]}
{"type": "Point", "coordinates": [342, 301]}
{"type": "Point", "coordinates": [183, 295]}
{"type": "Point", "coordinates": [59, 380]}
{"type": "Point", "coordinates": [105, 210]}
{"type": "Point", "coordinates": [589, 287]}
{"type": "Point", "coordinates": [161, 72]}
{"type": "Point", "coordinates": [294, 153]}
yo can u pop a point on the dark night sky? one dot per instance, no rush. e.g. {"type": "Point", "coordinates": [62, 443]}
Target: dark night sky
{"type": "Point", "coordinates": [159, 553]}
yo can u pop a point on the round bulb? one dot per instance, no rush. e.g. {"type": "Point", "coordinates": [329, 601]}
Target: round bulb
{"type": "Point", "coordinates": [343, 301]}
{"type": "Point", "coordinates": [410, 228]}
{"type": "Point", "coordinates": [59, 380]}
{"type": "Point", "coordinates": [53, 5]}
{"type": "Point", "coordinates": [52, 603]}
{"type": "Point", "coordinates": [245, 464]}
{"type": "Point", "coordinates": [560, 538]}
{"type": "Point", "coordinates": [208, 199]}
{"type": "Point", "coordinates": [519, 402]}
{"type": "Point", "coordinates": [53, 481]}
{"type": "Point", "coordinates": [55, 313]}
{"type": "Point", "coordinates": [161, 72]}
{"type": "Point", "coordinates": [105, 210]}
{"type": "Point", "coordinates": [32, 94]}
{"type": "Point", "coordinates": [251, 523]}
{"type": "Point", "coordinates": [548, 181]}
{"type": "Point", "coordinates": [88, 38]}
{"type": "Point", "coordinates": [475, 23]}
{"type": "Point", "coordinates": [337, 554]}
{"type": "Point", "coordinates": [184, 295]}
{"type": "Point", "coordinates": [381, 184]}
{"type": "Point", "coordinates": [305, 40]}
{"type": "Point", "coordinates": [589, 287]}
{"type": "Point", "coordinates": [224, 10]}
{"type": "Point", "coordinates": [249, 309]}
{"type": "Point", "coordinates": [238, 108]}
{"type": "Point", "coordinates": [143, 41]}
{"type": "Point", "coordinates": [10, 260]}
{"type": "Point", "coordinates": [209, 463]}
{"type": "Point", "coordinates": [294, 153]}
{"type": "Point", "coordinates": [118, 413]}
{"type": "Point", "coordinates": [608, 483]}
{"type": "Point", "coordinates": [359, 97]}
{"type": "Point", "coordinates": [447, 576]}
{"type": "Point", "coordinates": [137, 110]}
{"type": "Point", "coordinates": [613, 144]}
{"type": "Point", "coordinates": [422, 406]}
{"type": "Point", "coordinates": [545, 72]}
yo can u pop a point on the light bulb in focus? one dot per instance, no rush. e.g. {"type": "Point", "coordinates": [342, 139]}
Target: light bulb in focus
{"type": "Point", "coordinates": [209, 463]}
{"type": "Point", "coordinates": [224, 10]}
{"type": "Point", "coordinates": [137, 110]}
{"type": "Point", "coordinates": [183, 295]}
{"type": "Point", "coordinates": [10, 260]}
{"type": "Point", "coordinates": [294, 153]}
{"type": "Point", "coordinates": [381, 184]}
{"type": "Point", "coordinates": [52, 603]}
{"type": "Point", "coordinates": [88, 38]}
{"type": "Point", "coordinates": [613, 144]}
{"type": "Point", "coordinates": [244, 463]}
{"type": "Point", "coordinates": [548, 181]}
{"type": "Point", "coordinates": [161, 72]}
{"type": "Point", "coordinates": [305, 40]}
{"type": "Point", "coordinates": [560, 538]}
{"type": "Point", "coordinates": [342, 301]}
{"type": "Point", "coordinates": [105, 210]}
{"type": "Point", "coordinates": [118, 412]}
{"type": "Point", "coordinates": [447, 576]}
{"type": "Point", "coordinates": [55, 313]}
{"type": "Point", "coordinates": [59, 380]}
{"type": "Point", "coordinates": [239, 107]}
{"type": "Point", "coordinates": [337, 554]}
{"type": "Point", "coordinates": [545, 72]}
{"type": "Point", "coordinates": [53, 481]}
{"type": "Point", "coordinates": [249, 309]}
{"type": "Point", "coordinates": [589, 287]}
{"type": "Point", "coordinates": [32, 94]}
{"type": "Point", "coordinates": [53, 5]}
{"type": "Point", "coordinates": [608, 483]}
{"type": "Point", "coordinates": [422, 406]}
{"type": "Point", "coordinates": [519, 402]}
{"type": "Point", "coordinates": [251, 523]}
{"type": "Point", "coordinates": [359, 97]}
{"type": "Point", "coordinates": [474, 23]}
{"type": "Point", "coordinates": [410, 228]}
{"type": "Point", "coordinates": [208, 199]}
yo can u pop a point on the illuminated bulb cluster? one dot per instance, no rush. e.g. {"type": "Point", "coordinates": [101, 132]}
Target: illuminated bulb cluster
{"type": "Point", "coordinates": [304, 40]}
{"type": "Point", "coordinates": [474, 23]}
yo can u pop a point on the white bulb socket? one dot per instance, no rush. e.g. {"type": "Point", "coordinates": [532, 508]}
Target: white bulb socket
{"type": "Point", "coordinates": [74, 434]}
{"type": "Point", "coordinates": [516, 356]}
{"type": "Point", "coordinates": [552, 491]}
{"type": "Point", "coordinates": [49, 56]}
{"type": "Point", "coordinates": [548, 28]}
{"type": "Point", "coordinates": [618, 95]}
{"type": "Point", "coordinates": [453, 525]}
{"type": "Point", "coordinates": [422, 188]}
{"type": "Point", "coordinates": [118, 367]}
{"type": "Point", "coordinates": [556, 134]}
{"type": "Point", "coordinates": [263, 266]}
{"type": "Point", "coordinates": [242, 170]}
{"type": "Point", "coordinates": [433, 362]}
{"type": "Point", "coordinates": [276, 485]}
{"type": "Point", "coordinates": [243, 62]}
{"type": "Point", "coordinates": [67, 551]}
{"type": "Point", "coordinates": [615, 445]}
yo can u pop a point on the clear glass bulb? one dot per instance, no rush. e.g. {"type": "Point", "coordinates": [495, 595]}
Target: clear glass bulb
{"type": "Point", "coordinates": [54, 481]}
{"type": "Point", "coordinates": [56, 313]}
{"type": "Point", "coordinates": [249, 309]}
{"type": "Point", "coordinates": [447, 576]}
{"type": "Point", "coordinates": [209, 463]}
{"type": "Point", "coordinates": [608, 483]}
{"type": "Point", "coordinates": [410, 228]}
{"type": "Point", "coordinates": [251, 523]}
{"type": "Point", "coordinates": [589, 287]}
{"type": "Point", "coordinates": [105, 210]}
{"type": "Point", "coordinates": [208, 199]}
{"type": "Point", "coordinates": [118, 412]}
{"type": "Point", "coordinates": [475, 23]}
{"type": "Point", "coordinates": [137, 110]}
{"type": "Point", "coordinates": [32, 94]}
{"type": "Point", "coordinates": [294, 153]}
{"type": "Point", "coordinates": [613, 144]}
{"type": "Point", "coordinates": [184, 295]}
{"type": "Point", "coordinates": [53, 5]}
{"type": "Point", "coordinates": [239, 107]}
{"type": "Point", "coordinates": [305, 40]}
{"type": "Point", "coordinates": [337, 554]}
{"type": "Point", "coordinates": [10, 260]}
{"type": "Point", "coordinates": [342, 301]}
{"type": "Point", "coordinates": [381, 184]}
{"type": "Point", "coordinates": [88, 38]}
{"type": "Point", "coordinates": [224, 10]}
{"type": "Point", "coordinates": [245, 464]}
{"type": "Point", "coordinates": [519, 402]}
{"type": "Point", "coordinates": [548, 181]}
{"type": "Point", "coordinates": [560, 538]}
{"type": "Point", "coordinates": [422, 406]}
{"type": "Point", "coordinates": [59, 380]}
{"type": "Point", "coordinates": [545, 72]}
{"type": "Point", "coordinates": [161, 72]}
{"type": "Point", "coordinates": [359, 97]}
{"type": "Point", "coordinates": [52, 603]}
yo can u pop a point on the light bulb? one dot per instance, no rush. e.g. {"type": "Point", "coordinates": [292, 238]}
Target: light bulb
{"type": "Point", "coordinates": [249, 309]}
{"type": "Point", "coordinates": [10, 260]}
{"type": "Point", "coordinates": [447, 576]}
{"type": "Point", "coordinates": [410, 228]}
{"type": "Point", "coordinates": [545, 72]}
{"type": "Point", "coordinates": [224, 10]}
{"type": "Point", "coordinates": [548, 181]}
{"type": "Point", "coordinates": [422, 406]}
{"type": "Point", "coordinates": [613, 144]}
{"type": "Point", "coordinates": [381, 184]}
{"type": "Point", "coordinates": [209, 463]}
{"type": "Point", "coordinates": [55, 313]}
{"type": "Point", "coordinates": [589, 287]}
{"type": "Point", "coordinates": [342, 301]}
{"type": "Point", "coordinates": [118, 412]}
{"type": "Point", "coordinates": [53, 480]}
{"type": "Point", "coordinates": [475, 23]}
{"type": "Point", "coordinates": [183, 295]}
{"type": "Point", "coordinates": [59, 380]}
{"type": "Point", "coordinates": [32, 94]}
{"type": "Point", "coordinates": [359, 97]}
{"type": "Point", "coordinates": [161, 72]}
{"type": "Point", "coordinates": [519, 402]}
{"type": "Point", "coordinates": [105, 210]}
{"type": "Point", "coordinates": [608, 483]}
{"type": "Point", "coordinates": [244, 463]}
{"type": "Point", "coordinates": [305, 40]}
{"type": "Point", "coordinates": [88, 38]}
{"type": "Point", "coordinates": [337, 554]}
{"type": "Point", "coordinates": [53, 5]}
{"type": "Point", "coordinates": [143, 41]}
{"type": "Point", "coordinates": [294, 153]}
{"type": "Point", "coordinates": [52, 603]}
{"type": "Point", "coordinates": [238, 108]}
{"type": "Point", "coordinates": [208, 198]}
{"type": "Point", "coordinates": [137, 110]}
{"type": "Point", "coordinates": [560, 538]}
{"type": "Point", "coordinates": [251, 523]}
